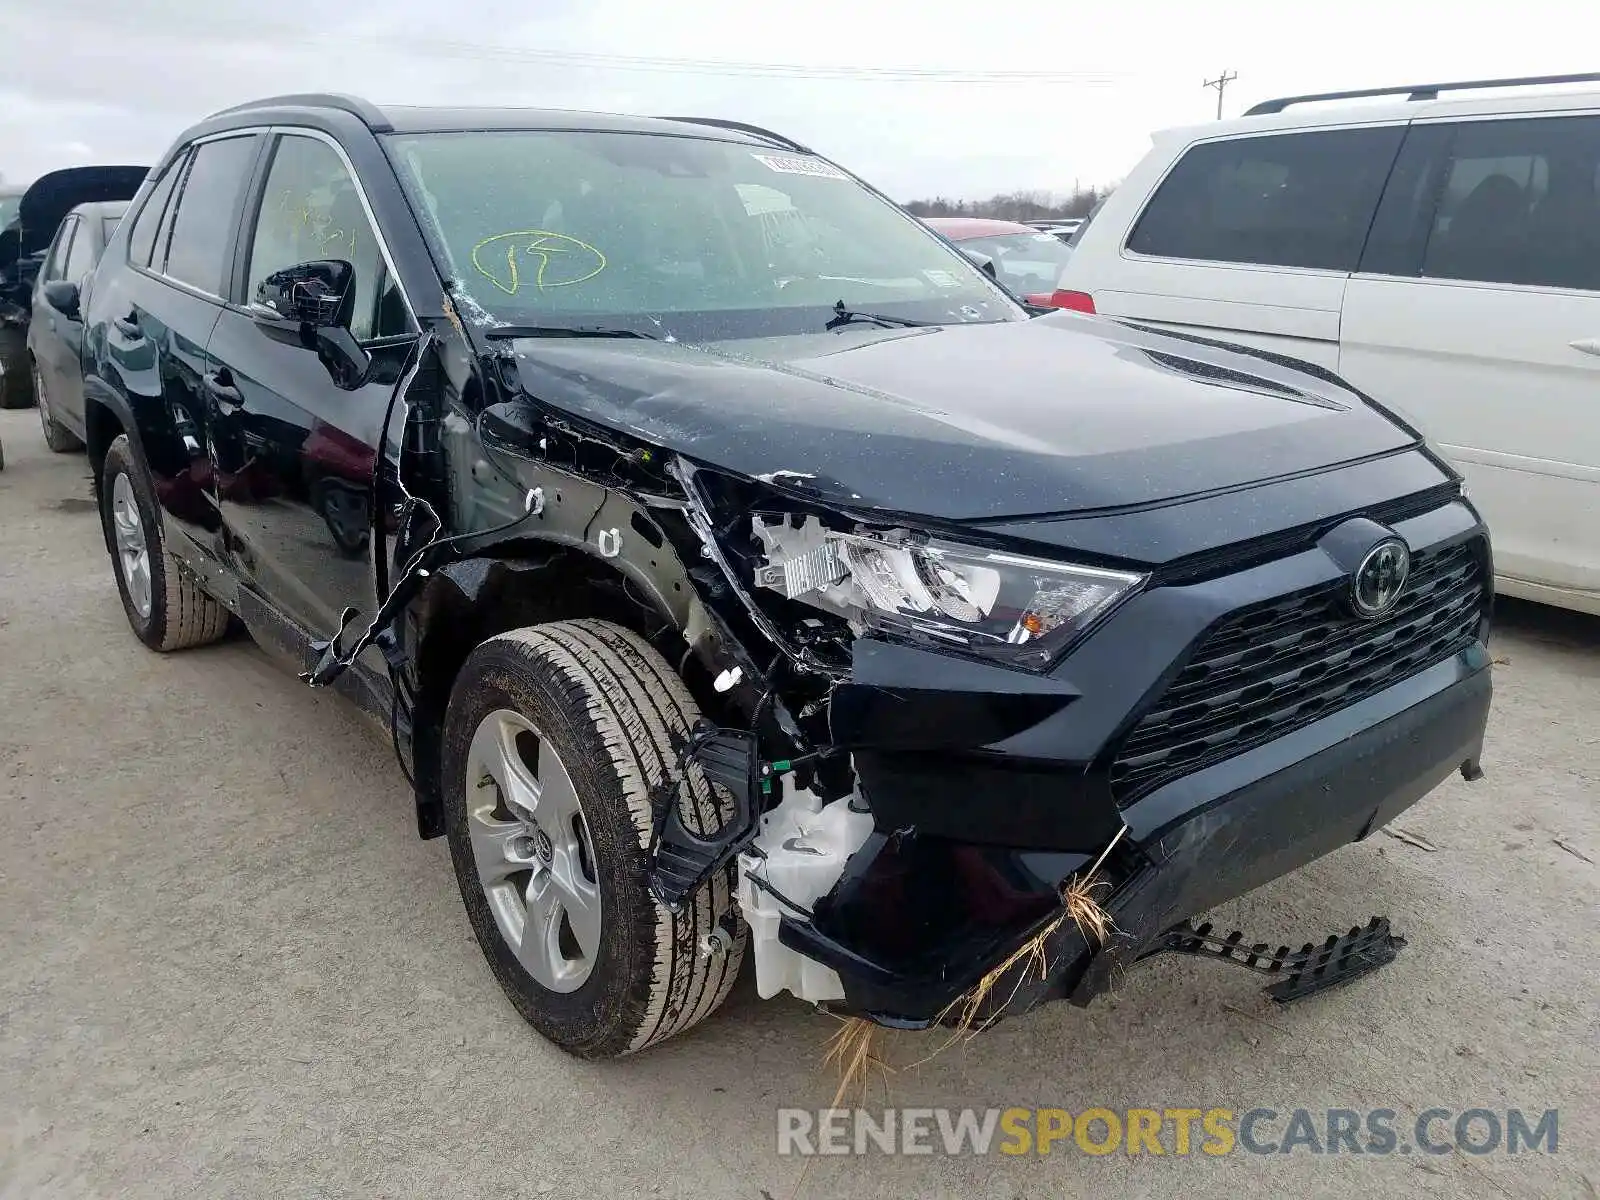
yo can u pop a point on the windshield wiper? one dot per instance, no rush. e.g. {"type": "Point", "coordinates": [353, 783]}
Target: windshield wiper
{"type": "Point", "coordinates": [844, 316]}
{"type": "Point", "coordinates": [565, 331]}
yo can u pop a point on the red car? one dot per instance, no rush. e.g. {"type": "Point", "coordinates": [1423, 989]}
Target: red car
{"type": "Point", "coordinates": [1027, 261]}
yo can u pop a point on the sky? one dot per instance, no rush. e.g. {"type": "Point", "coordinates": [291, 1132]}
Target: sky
{"type": "Point", "coordinates": [924, 98]}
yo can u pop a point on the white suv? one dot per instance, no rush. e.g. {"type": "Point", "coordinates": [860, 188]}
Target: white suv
{"type": "Point", "coordinates": [1441, 255]}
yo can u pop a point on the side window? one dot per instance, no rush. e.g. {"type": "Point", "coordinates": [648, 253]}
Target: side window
{"type": "Point", "coordinates": [55, 266]}
{"type": "Point", "coordinates": [1288, 200]}
{"type": "Point", "coordinates": [1519, 204]}
{"type": "Point", "coordinates": [310, 210]}
{"type": "Point", "coordinates": [142, 237]}
{"type": "Point", "coordinates": [207, 213]}
{"type": "Point", "coordinates": [80, 259]}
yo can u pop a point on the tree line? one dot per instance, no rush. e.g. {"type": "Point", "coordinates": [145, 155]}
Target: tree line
{"type": "Point", "coordinates": [1016, 206]}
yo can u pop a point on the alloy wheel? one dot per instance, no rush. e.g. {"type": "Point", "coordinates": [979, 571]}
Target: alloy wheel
{"type": "Point", "coordinates": [532, 848]}
{"type": "Point", "coordinates": [133, 550]}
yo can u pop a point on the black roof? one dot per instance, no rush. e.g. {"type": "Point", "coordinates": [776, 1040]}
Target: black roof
{"type": "Point", "coordinates": [401, 118]}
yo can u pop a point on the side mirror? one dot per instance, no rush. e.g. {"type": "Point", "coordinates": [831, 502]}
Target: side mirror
{"type": "Point", "coordinates": [319, 294]}
{"type": "Point", "coordinates": [981, 260]}
{"type": "Point", "coordinates": [62, 295]}
{"type": "Point", "coordinates": [311, 303]}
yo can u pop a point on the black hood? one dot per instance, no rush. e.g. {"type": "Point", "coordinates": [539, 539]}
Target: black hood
{"type": "Point", "coordinates": [1058, 414]}
{"type": "Point", "coordinates": [51, 197]}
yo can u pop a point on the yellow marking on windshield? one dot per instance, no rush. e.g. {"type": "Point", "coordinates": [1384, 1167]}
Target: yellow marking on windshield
{"type": "Point", "coordinates": [575, 261]}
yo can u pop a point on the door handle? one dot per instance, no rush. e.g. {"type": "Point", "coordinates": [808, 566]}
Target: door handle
{"type": "Point", "coordinates": [219, 386]}
{"type": "Point", "coordinates": [128, 326]}
{"type": "Point", "coordinates": [1586, 345]}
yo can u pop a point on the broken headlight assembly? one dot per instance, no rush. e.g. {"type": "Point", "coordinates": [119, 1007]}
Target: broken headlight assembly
{"type": "Point", "coordinates": [900, 583]}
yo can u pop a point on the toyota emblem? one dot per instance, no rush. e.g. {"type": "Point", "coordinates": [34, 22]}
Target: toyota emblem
{"type": "Point", "coordinates": [1379, 580]}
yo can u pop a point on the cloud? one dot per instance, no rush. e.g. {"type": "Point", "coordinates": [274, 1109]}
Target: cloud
{"type": "Point", "coordinates": [137, 72]}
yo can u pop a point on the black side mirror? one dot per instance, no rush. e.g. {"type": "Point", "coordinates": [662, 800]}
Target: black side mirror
{"type": "Point", "coordinates": [314, 302]}
{"type": "Point", "coordinates": [319, 294]}
{"type": "Point", "coordinates": [62, 295]}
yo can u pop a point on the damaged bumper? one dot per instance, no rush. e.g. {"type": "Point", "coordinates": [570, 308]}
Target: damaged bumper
{"type": "Point", "coordinates": [916, 921]}
{"type": "Point", "coordinates": [984, 801]}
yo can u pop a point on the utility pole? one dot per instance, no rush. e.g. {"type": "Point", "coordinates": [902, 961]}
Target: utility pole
{"type": "Point", "coordinates": [1221, 83]}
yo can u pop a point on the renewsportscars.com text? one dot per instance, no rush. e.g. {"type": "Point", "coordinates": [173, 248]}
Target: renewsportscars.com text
{"type": "Point", "coordinates": [1177, 1132]}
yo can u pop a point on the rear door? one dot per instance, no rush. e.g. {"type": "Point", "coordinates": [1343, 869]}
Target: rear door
{"type": "Point", "coordinates": [66, 396]}
{"type": "Point", "coordinates": [159, 316]}
{"type": "Point", "coordinates": [1476, 313]}
{"type": "Point", "coordinates": [1247, 238]}
{"type": "Point", "coordinates": [294, 453]}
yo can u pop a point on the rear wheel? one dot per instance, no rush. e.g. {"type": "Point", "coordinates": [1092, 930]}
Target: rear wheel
{"type": "Point", "coordinates": [16, 389]}
{"type": "Point", "coordinates": [56, 435]}
{"type": "Point", "coordinates": [554, 738]}
{"type": "Point", "coordinates": [167, 609]}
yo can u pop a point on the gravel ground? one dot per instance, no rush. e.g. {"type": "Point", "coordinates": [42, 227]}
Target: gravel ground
{"type": "Point", "coordinates": [229, 968]}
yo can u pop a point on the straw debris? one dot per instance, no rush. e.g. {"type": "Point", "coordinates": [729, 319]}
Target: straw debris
{"type": "Point", "coordinates": [1031, 960]}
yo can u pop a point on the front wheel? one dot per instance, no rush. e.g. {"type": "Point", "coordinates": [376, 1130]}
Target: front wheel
{"type": "Point", "coordinates": [554, 739]}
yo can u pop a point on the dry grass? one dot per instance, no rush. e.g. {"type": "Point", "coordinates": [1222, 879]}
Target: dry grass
{"type": "Point", "coordinates": [1030, 960]}
{"type": "Point", "coordinates": [853, 1052]}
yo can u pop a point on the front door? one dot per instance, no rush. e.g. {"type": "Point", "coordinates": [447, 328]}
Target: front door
{"type": "Point", "coordinates": [294, 453]}
{"type": "Point", "coordinates": [1477, 315]}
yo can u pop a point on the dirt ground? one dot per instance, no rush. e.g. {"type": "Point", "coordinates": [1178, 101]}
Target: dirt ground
{"type": "Point", "coordinates": [229, 968]}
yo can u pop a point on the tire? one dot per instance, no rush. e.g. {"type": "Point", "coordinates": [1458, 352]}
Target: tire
{"type": "Point", "coordinates": [612, 711]}
{"type": "Point", "coordinates": [16, 390]}
{"type": "Point", "coordinates": [179, 614]}
{"type": "Point", "coordinates": [56, 435]}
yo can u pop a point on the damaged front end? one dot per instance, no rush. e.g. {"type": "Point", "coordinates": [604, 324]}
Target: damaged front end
{"type": "Point", "coordinates": [970, 759]}
{"type": "Point", "coordinates": [1002, 732]}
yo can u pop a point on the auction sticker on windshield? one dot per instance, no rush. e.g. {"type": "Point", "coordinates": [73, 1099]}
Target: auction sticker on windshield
{"type": "Point", "coordinates": [788, 164]}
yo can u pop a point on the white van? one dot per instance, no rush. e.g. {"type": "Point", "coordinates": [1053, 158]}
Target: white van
{"type": "Point", "coordinates": [1441, 255]}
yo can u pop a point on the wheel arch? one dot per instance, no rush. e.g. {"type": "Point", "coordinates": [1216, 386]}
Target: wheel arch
{"type": "Point", "coordinates": [531, 582]}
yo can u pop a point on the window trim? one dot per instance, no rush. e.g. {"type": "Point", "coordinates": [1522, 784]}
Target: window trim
{"type": "Point", "coordinates": [240, 301]}
{"type": "Point", "coordinates": [1126, 251]}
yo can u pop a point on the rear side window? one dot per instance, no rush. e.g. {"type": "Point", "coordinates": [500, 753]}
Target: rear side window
{"type": "Point", "coordinates": [142, 237]}
{"type": "Point", "coordinates": [55, 266]}
{"type": "Point", "coordinates": [1288, 200]}
{"type": "Point", "coordinates": [207, 213]}
{"type": "Point", "coordinates": [81, 257]}
{"type": "Point", "coordinates": [1518, 202]}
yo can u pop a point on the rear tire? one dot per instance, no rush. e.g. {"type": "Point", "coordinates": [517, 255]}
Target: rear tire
{"type": "Point", "coordinates": [612, 712]}
{"type": "Point", "coordinates": [56, 435]}
{"type": "Point", "coordinates": [166, 609]}
{"type": "Point", "coordinates": [16, 385]}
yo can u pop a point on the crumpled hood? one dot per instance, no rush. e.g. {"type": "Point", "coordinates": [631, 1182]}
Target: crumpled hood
{"type": "Point", "coordinates": [1058, 414]}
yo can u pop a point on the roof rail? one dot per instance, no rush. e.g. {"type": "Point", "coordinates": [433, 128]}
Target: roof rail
{"type": "Point", "coordinates": [366, 111]}
{"type": "Point", "coordinates": [1420, 91]}
{"type": "Point", "coordinates": [741, 127]}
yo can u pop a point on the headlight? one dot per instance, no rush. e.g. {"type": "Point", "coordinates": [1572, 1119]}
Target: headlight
{"type": "Point", "coordinates": [1003, 606]}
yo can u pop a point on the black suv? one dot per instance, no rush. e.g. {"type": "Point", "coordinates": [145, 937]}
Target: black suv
{"type": "Point", "coordinates": [737, 567]}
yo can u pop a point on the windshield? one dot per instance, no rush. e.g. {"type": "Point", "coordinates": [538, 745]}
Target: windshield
{"type": "Point", "coordinates": [697, 238]}
{"type": "Point", "coordinates": [1025, 262]}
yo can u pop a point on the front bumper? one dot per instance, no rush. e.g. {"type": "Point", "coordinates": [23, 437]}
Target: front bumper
{"type": "Point", "coordinates": [916, 922]}
{"type": "Point", "coordinates": [987, 799]}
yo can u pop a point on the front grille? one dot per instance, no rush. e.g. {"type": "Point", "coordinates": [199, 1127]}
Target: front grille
{"type": "Point", "coordinates": [1275, 666]}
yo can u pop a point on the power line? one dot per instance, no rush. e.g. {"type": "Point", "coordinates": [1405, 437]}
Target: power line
{"type": "Point", "coordinates": [1221, 83]}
